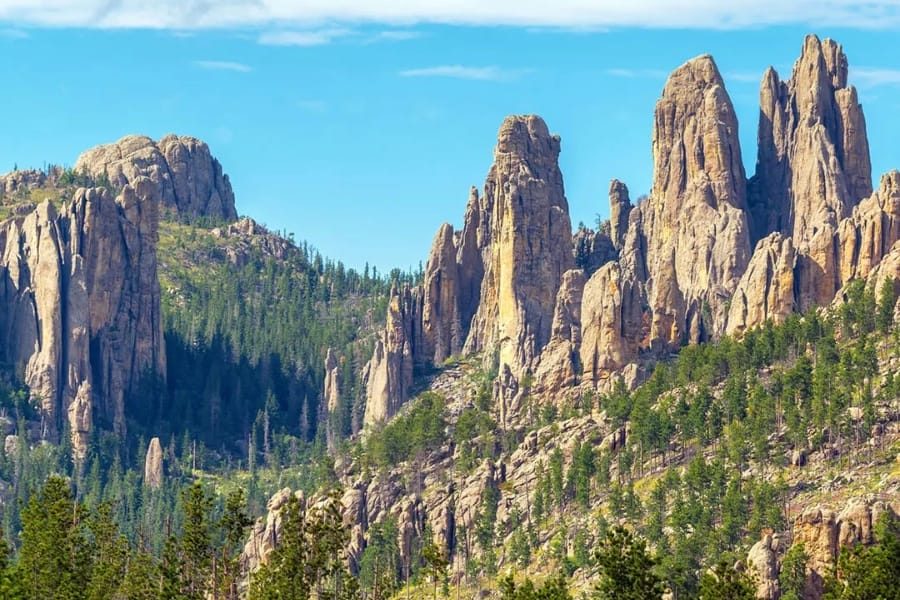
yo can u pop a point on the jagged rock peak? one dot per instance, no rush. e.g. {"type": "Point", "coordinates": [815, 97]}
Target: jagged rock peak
{"type": "Point", "coordinates": [695, 222]}
{"type": "Point", "coordinates": [190, 180]}
{"type": "Point", "coordinates": [813, 160]}
{"type": "Point", "coordinates": [525, 237]}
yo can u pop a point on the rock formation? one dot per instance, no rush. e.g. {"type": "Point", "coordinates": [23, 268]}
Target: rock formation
{"type": "Point", "coordinates": [619, 209]}
{"type": "Point", "coordinates": [265, 532]}
{"type": "Point", "coordinates": [763, 563]}
{"type": "Point", "coordinates": [868, 235]}
{"type": "Point", "coordinates": [559, 365]}
{"type": "Point", "coordinates": [593, 249]}
{"type": "Point", "coordinates": [153, 465]}
{"type": "Point", "coordinates": [766, 290]}
{"type": "Point", "coordinates": [525, 238]}
{"type": "Point", "coordinates": [389, 373]}
{"type": "Point", "coordinates": [812, 191]}
{"type": "Point", "coordinates": [813, 162]}
{"type": "Point", "coordinates": [813, 158]}
{"type": "Point", "coordinates": [331, 397]}
{"type": "Point", "coordinates": [695, 222]}
{"type": "Point", "coordinates": [22, 180]}
{"type": "Point", "coordinates": [80, 305]}
{"type": "Point", "coordinates": [188, 178]}
{"type": "Point", "coordinates": [824, 532]}
{"type": "Point", "coordinates": [607, 343]}
{"type": "Point", "coordinates": [491, 287]}
{"type": "Point", "coordinates": [442, 324]}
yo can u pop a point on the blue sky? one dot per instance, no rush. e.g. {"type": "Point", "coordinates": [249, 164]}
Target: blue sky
{"type": "Point", "coordinates": [360, 126]}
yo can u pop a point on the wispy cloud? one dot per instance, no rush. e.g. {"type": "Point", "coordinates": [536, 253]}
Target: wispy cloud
{"type": "Point", "coordinates": [464, 72]}
{"type": "Point", "coordinates": [396, 35]}
{"type": "Point", "coordinates": [638, 73]}
{"type": "Point", "coordinates": [223, 65]}
{"type": "Point", "coordinates": [287, 14]}
{"type": "Point", "coordinates": [313, 37]}
{"type": "Point", "coordinates": [874, 76]}
{"type": "Point", "coordinates": [14, 34]}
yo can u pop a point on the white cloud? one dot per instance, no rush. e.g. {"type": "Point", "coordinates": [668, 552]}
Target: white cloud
{"type": "Point", "coordinates": [223, 65]}
{"type": "Point", "coordinates": [463, 72]}
{"type": "Point", "coordinates": [200, 14]}
{"type": "Point", "coordinates": [312, 37]}
{"type": "Point", "coordinates": [874, 76]}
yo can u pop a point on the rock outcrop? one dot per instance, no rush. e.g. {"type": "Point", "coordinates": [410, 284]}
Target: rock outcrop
{"type": "Point", "coordinates": [443, 329]}
{"type": "Point", "coordinates": [823, 532]}
{"type": "Point", "coordinates": [812, 190]}
{"type": "Point", "coordinates": [868, 235]}
{"type": "Point", "coordinates": [390, 371]}
{"type": "Point", "coordinates": [525, 238]}
{"type": "Point", "coordinates": [813, 162]}
{"type": "Point", "coordinates": [560, 364]}
{"type": "Point", "coordinates": [265, 532]}
{"type": "Point", "coordinates": [189, 180]}
{"type": "Point", "coordinates": [763, 563]}
{"type": "Point", "coordinates": [766, 290]}
{"type": "Point", "coordinates": [619, 209]}
{"type": "Point", "coordinates": [695, 222]}
{"type": "Point", "coordinates": [331, 398]}
{"type": "Point", "coordinates": [23, 180]}
{"type": "Point", "coordinates": [608, 338]}
{"type": "Point", "coordinates": [80, 305]}
{"type": "Point", "coordinates": [153, 465]}
{"type": "Point", "coordinates": [593, 249]}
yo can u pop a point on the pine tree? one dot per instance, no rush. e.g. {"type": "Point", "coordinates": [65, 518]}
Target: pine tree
{"type": "Point", "coordinates": [627, 568]}
{"type": "Point", "coordinates": [54, 561]}
{"type": "Point", "coordinates": [234, 524]}
{"type": "Point", "coordinates": [196, 543]}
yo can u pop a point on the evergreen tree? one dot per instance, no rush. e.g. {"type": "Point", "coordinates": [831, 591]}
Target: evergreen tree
{"type": "Point", "coordinates": [724, 582]}
{"type": "Point", "coordinates": [627, 568]}
{"type": "Point", "coordinates": [54, 561]}
{"type": "Point", "coordinates": [196, 544]}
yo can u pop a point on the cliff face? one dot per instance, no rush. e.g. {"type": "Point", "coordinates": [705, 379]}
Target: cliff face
{"type": "Point", "coordinates": [80, 304]}
{"type": "Point", "coordinates": [189, 180]}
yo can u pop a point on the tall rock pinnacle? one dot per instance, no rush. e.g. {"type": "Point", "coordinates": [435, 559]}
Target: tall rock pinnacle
{"type": "Point", "coordinates": [525, 237]}
{"type": "Point", "coordinates": [695, 222]}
